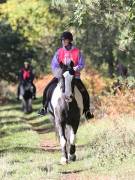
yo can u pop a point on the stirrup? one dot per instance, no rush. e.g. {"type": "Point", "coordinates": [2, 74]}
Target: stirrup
{"type": "Point", "coordinates": [34, 97]}
{"type": "Point", "coordinates": [42, 112]}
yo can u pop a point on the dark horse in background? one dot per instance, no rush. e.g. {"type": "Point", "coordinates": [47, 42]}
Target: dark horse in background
{"type": "Point", "coordinates": [26, 93]}
{"type": "Point", "coordinates": [66, 107]}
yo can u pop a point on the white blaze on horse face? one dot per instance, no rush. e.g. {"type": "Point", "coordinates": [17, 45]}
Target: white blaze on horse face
{"type": "Point", "coordinates": [68, 80]}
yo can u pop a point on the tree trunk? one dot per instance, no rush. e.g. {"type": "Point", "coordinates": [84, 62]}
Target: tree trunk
{"type": "Point", "coordinates": [110, 60]}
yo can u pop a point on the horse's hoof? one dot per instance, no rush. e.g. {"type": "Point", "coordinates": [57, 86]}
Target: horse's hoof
{"type": "Point", "coordinates": [63, 161]}
{"type": "Point", "coordinates": [72, 157]}
{"type": "Point", "coordinates": [30, 111]}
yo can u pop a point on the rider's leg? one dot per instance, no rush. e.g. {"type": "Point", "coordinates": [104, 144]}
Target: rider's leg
{"type": "Point", "coordinates": [86, 98]}
{"type": "Point", "coordinates": [18, 92]}
{"type": "Point", "coordinates": [52, 84]}
{"type": "Point", "coordinates": [47, 95]}
{"type": "Point", "coordinates": [21, 91]}
{"type": "Point", "coordinates": [34, 91]}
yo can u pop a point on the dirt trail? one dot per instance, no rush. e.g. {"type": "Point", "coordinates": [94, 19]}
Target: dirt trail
{"type": "Point", "coordinates": [53, 146]}
{"type": "Point", "coordinates": [50, 145]}
{"type": "Point", "coordinates": [41, 83]}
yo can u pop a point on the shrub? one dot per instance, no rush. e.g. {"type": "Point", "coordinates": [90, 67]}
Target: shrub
{"type": "Point", "coordinates": [5, 92]}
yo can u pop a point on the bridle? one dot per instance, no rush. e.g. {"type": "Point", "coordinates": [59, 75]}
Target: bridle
{"type": "Point", "coordinates": [66, 82]}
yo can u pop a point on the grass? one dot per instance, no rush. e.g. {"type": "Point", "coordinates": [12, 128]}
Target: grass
{"type": "Point", "coordinates": [21, 156]}
{"type": "Point", "coordinates": [105, 148]}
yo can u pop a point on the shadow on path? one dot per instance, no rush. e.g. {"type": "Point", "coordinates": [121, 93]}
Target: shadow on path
{"type": "Point", "coordinates": [19, 148]}
{"type": "Point", "coordinates": [13, 131]}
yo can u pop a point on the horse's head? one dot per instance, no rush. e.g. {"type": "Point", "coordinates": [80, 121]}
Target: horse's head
{"type": "Point", "coordinates": [67, 80]}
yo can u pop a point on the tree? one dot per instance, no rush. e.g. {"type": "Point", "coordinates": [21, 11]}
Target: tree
{"type": "Point", "coordinates": [13, 51]}
{"type": "Point", "coordinates": [34, 26]}
{"type": "Point", "coordinates": [104, 29]}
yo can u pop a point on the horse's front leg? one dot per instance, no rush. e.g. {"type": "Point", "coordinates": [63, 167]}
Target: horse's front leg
{"type": "Point", "coordinates": [71, 155]}
{"type": "Point", "coordinates": [60, 128]}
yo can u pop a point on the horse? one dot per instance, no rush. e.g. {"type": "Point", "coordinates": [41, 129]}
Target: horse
{"type": "Point", "coordinates": [66, 107]}
{"type": "Point", "coordinates": [26, 93]}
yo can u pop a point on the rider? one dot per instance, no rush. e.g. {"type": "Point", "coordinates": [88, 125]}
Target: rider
{"type": "Point", "coordinates": [26, 74]}
{"type": "Point", "coordinates": [64, 54]}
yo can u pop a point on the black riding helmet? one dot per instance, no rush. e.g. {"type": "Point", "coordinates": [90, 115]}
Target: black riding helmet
{"type": "Point", "coordinates": [26, 62]}
{"type": "Point", "coordinates": [67, 35]}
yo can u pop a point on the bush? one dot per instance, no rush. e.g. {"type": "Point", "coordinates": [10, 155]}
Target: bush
{"type": "Point", "coordinates": [110, 144]}
{"type": "Point", "coordinates": [128, 82]}
{"type": "Point", "coordinates": [5, 92]}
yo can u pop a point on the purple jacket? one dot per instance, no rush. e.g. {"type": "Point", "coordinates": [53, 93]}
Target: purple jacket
{"type": "Point", "coordinates": [55, 64]}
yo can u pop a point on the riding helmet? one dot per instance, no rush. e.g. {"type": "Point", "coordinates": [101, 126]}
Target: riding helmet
{"type": "Point", "coordinates": [67, 35]}
{"type": "Point", "coordinates": [26, 62]}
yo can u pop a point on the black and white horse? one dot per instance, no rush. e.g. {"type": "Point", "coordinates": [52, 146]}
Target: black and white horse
{"type": "Point", "coordinates": [26, 93]}
{"type": "Point", "coordinates": [66, 106]}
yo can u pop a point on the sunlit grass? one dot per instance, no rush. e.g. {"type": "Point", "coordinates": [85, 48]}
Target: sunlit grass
{"type": "Point", "coordinates": [105, 147]}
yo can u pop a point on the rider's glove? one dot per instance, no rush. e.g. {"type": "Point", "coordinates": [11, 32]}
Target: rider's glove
{"type": "Point", "coordinates": [75, 68]}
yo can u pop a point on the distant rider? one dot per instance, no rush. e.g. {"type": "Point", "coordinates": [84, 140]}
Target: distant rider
{"type": "Point", "coordinates": [26, 74]}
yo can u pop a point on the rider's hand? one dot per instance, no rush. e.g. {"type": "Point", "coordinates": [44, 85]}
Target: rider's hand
{"type": "Point", "coordinates": [75, 68]}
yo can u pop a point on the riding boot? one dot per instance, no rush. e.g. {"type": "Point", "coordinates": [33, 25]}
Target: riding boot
{"type": "Point", "coordinates": [34, 91]}
{"type": "Point", "coordinates": [43, 110]}
{"type": "Point", "coordinates": [47, 95]}
{"type": "Point", "coordinates": [18, 92]}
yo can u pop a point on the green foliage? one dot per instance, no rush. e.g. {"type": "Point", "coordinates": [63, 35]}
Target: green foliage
{"type": "Point", "coordinates": [5, 93]}
{"type": "Point", "coordinates": [131, 82]}
{"type": "Point", "coordinates": [13, 51]}
{"type": "Point", "coordinates": [31, 18]}
{"type": "Point", "coordinates": [30, 27]}
{"type": "Point", "coordinates": [128, 82]}
{"type": "Point", "coordinates": [104, 30]}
